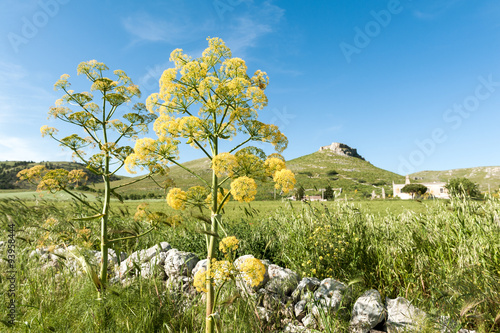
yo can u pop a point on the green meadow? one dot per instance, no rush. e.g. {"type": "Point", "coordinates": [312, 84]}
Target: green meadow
{"type": "Point", "coordinates": [444, 256]}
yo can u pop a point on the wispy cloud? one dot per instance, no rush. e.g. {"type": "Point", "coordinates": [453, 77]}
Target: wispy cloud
{"type": "Point", "coordinates": [256, 22]}
{"type": "Point", "coordinates": [434, 10]}
{"type": "Point", "coordinates": [242, 30]}
{"type": "Point", "coordinates": [246, 24]}
{"type": "Point", "coordinates": [145, 27]}
{"type": "Point", "coordinates": [15, 148]}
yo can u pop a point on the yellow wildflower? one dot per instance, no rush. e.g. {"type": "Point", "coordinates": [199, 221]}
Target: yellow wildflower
{"type": "Point", "coordinates": [228, 244]}
{"type": "Point", "coordinates": [46, 130]}
{"type": "Point", "coordinates": [253, 271]}
{"type": "Point", "coordinates": [200, 280]}
{"type": "Point", "coordinates": [176, 198]}
{"type": "Point", "coordinates": [274, 164]}
{"type": "Point", "coordinates": [243, 189]}
{"type": "Point", "coordinates": [224, 164]}
{"type": "Point", "coordinates": [284, 179]}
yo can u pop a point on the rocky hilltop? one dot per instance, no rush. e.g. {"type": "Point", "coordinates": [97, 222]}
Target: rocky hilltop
{"type": "Point", "coordinates": [341, 149]}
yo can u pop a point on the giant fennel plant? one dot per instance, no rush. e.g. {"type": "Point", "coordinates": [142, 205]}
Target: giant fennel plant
{"type": "Point", "coordinates": [104, 127]}
{"type": "Point", "coordinates": [205, 103]}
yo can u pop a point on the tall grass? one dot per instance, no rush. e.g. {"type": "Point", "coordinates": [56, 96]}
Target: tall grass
{"type": "Point", "coordinates": [446, 260]}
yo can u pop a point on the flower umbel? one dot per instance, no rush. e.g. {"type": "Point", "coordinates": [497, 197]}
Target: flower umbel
{"type": "Point", "coordinates": [253, 271]}
{"type": "Point", "coordinates": [228, 244]}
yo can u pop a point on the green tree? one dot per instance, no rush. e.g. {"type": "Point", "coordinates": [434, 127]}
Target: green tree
{"type": "Point", "coordinates": [206, 102]}
{"type": "Point", "coordinates": [300, 193]}
{"type": "Point", "coordinates": [414, 189]}
{"type": "Point", "coordinates": [100, 149]}
{"type": "Point", "coordinates": [328, 193]}
{"type": "Point", "coordinates": [463, 187]}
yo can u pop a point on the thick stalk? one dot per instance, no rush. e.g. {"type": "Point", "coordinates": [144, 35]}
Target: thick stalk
{"type": "Point", "coordinates": [210, 320]}
{"type": "Point", "coordinates": [104, 233]}
{"type": "Point", "coordinates": [105, 209]}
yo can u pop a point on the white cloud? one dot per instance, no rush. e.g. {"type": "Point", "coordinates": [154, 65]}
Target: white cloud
{"type": "Point", "coordinates": [14, 148]}
{"type": "Point", "coordinates": [434, 10]}
{"type": "Point", "coordinates": [243, 27]}
{"type": "Point", "coordinates": [143, 27]}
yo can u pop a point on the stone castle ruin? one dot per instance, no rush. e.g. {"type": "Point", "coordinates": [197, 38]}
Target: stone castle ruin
{"type": "Point", "coordinates": [341, 149]}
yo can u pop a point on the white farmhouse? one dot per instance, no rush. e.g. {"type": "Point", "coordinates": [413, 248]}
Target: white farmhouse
{"type": "Point", "coordinates": [435, 189]}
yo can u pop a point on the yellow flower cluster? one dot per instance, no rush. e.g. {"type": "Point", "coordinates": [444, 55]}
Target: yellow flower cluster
{"type": "Point", "coordinates": [219, 273]}
{"type": "Point", "coordinates": [91, 69]}
{"type": "Point", "coordinates": [200, 280]}
{"type": "Point", "coordinates": [252, 271]}
{"type": "Point", "coordinates": [270, 133]}
{"type": "Point", "coordinates": [50, 222]}
{"type": "Point", "coordinates": [234, 67]}
{"type": "Point", "coordinates": [140, 213]}
{"type": "Point", "coordinates": [224, 164]}
{"type": "Point", "coordinates": [33, 174]}
{"type": "Point", "coordinates": [274, 164]}
{"type": "Point", "coordinates": [228, 244]}
{"type": "Point", "coordinates": [222, 271]}
{"type": "Point", "coordinates": [243, 189]}
{"type": "Point", "coordinates": [46, 130]}
{"type": "Point", "coordinates": [216, 50]}
{"type": "Point", "coordinates": [77, 176]}
{"type": "Point", "coordinates": [260, 79]}
{"type": "Point", "coordinates": [62, 83]}
{"type": "Point", "coordinates": [285, 180]}
{"type": "Point", "coordinates": [176, 198]}
{"type": "Point", "coordinates": [154, 154]}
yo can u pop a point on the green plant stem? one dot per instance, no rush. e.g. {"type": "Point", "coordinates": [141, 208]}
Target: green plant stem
{"type": "Point", "coordinates": [111, 241]}
{"type": "Point", "coordinates": [105, 209]}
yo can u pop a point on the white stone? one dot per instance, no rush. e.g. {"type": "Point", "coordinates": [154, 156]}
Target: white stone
{"type": "Point", "coordinates": [180, 263]}
{"type": "Point", "coordinates": [367, 312]}
{"type": "Point", "coordinates": [282, 281]}
{"type": "Point", "coordinates": [403, 316]}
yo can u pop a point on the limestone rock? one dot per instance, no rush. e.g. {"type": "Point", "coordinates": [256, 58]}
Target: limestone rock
{"type": "Point", "coordinates": [341, 149]}
{"type": "Point", "coordinates": [202, 264]}
{"type": "Point", "coordinates": [368, 311]}
{"type": "Point", "coordinates": [180, 263]}
{"type": "Point", "coordinates": [155, 266]}
{"type": "Point", "coordinates": [300, 309]}
{"type": "Point", "coordinates": [305, 289]}
{"type": "Point", "coordinates": [329, 296]}
{"type": "Point", "coordinates": [139, 257]}
{"type": "Point", "coordinates": [310, 322]}
{"type": "Point", "coordinates": [403, 316]}
{"type": "Point", "coordinates": [282, 281]}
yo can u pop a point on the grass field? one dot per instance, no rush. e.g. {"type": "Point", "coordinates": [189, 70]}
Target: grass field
{"type": "Point", "coordinates": [444, 256]}
{"type": "Point", "coordinates": [36, 196]}
{"type": "Point", "coordinates": [382, 207]}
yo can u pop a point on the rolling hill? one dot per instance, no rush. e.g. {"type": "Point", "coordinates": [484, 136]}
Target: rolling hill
{"type": "Point", "coordinates": [483, 176]}
{"type": "Point", "coordinates": [9, 170]}
{"type": "Point", "coordinates": [337, 165]}
{"type": "Point", "coordinates": [314, 172]}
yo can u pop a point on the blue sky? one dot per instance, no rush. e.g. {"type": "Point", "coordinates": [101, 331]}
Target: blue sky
{"type": "Point", "coordinates": [413, 85]}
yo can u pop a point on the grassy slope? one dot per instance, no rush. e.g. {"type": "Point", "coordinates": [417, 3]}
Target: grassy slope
{"type": "Point", "coordinates": [480, 175]}
{"type": "Point", "coordinates": [352, 173]}
{"type": "Point", "coordinates": [311, 171]}
{"type": "Point", "coordinates": [9, 170]}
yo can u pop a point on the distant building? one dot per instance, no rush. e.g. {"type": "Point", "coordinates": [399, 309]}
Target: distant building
{"type": "Point", "coordinates": [315, 198]}
{"type": "Point", "coordinates": [435, 189]}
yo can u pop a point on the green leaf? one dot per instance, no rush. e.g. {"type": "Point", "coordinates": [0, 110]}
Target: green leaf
{"type": "Point", "coordinates": [89, 217]}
